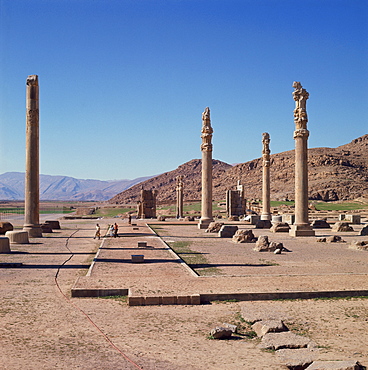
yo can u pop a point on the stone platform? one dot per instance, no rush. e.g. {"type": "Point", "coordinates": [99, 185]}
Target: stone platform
{"type": "Point", "coordinates": [231, 271]}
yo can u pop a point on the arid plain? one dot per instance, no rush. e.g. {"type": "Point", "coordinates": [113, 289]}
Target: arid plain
{"type": "Point", "coordinates": [43, 327]}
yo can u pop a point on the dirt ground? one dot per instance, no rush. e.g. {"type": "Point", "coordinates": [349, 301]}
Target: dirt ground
{"type": "Point", "coordinates": [44, 328]}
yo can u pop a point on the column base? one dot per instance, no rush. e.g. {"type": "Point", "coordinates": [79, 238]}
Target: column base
{"type": "Point", "coordinates": [266, 217]}
{"type": "Point", "coordinates": [34, 231]}
{"type": "Point", "coordinates": [204, 223]}
{"type": "Point", "coordinates": [301, 230]}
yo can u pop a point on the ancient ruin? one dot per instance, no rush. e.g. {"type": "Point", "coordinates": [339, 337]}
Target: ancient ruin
{"type": "Point", "coordinates": [179, 196]}
{"type": "Point", "coordinates": [301, 226]}
{"type": "Point", "coordinates": [146, 207]}
{"type": "Point", "coordinates": [32, 191]}
{"type": "Point", "coordinates": [235, 201]}
{"type": "Point", "coordinates": [206, 148]}
{"type": "Point", "coordinates": [266, 200]}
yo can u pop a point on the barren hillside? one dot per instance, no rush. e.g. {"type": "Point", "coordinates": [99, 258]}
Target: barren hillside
{"type": "Point", "coordinates": [334, 174]}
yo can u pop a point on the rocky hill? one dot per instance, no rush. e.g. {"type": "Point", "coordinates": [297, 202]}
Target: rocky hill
{"type": "Point", "coordinates": [334, 174]}
{"type": "Point", "coordinates": [166, 183]}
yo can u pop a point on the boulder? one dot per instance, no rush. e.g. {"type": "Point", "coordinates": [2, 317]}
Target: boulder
{"type": "Point", "coordinates": [359, 245]}
{"type": "Point", "coordinates": [227, 231]}
{"type": "Point", "coordinates": [364, 231]}
{"type": "Point", "coordinates": [188, 218]}
{"type": "Point", "coordinates": [334, 239]}
{"type": "Point", "coordinates": [5, 226]}
{"type": "Point", "coordinates": [274, 246]}
{"type": "Point", "coordinates": [336, 365]}
{"type": "Point", "coordinates": [321, 240]}
{"type": "Point", "coordinates": [286, 339]}
{"type": "Point", "coordinates": [244, 236]}
{"type": "Point", "coordinates": [268, 326]}
{"type": "Point", "coordinates": [232, 327]}
{"type": "Point", "coordinates": [221, 333]}
{"type": "Point", "coordinates": [262, 244]}
{"type": "Point", "coordinates": [214, 227]}
{"type": "Point", "coordinates": [342, 226]}
{"type": "Point", "coordinates": [161, 218]}
{"type": "Point", "coordinates": [280, 227]}
{"type": "Point", "coordinates": [320, 224]}
{"type": "Point", "coordinates": [233, 218]}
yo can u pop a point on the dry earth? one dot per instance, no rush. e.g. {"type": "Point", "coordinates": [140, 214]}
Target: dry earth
{"type": "Point", "coordinates": [42, 329]}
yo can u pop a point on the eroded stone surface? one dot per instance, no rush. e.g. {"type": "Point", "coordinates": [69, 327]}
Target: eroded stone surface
{"type": "Point", "coordinates": [227, 231]}
{"type": "Point", "coordinates": [296, 358]}
{"type": "Point", "coordinates": [244, 236]}
{"type": "Point", "coordinates": [269, 326]}
{"type": "Point", "coordinates": [342, 226]}
{"type": "Point", "coordinates": [336, 365]}
{"type": "Point", "coordinates": [287, 339]}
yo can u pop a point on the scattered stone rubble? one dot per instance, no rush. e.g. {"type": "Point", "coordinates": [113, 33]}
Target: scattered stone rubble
{"type": "Point", "coordinates": [293, 351]}
{"type": "Point", "coordinates": [359, 245]}
{"type": "Point", "coordinates": [331, 239]}
{"type": "Point", "coordinates": [264, 245]}
{"type": "Point", "coordinates": [244, 236]}
{"type": "Point", "coordinates": [227, 231]}
{"type": "Point", "coordinates": [342, 227]}
{"type": "Point", "coordinates": [280, 227]}
{"type": "Point", "coordinates": [214, 227]}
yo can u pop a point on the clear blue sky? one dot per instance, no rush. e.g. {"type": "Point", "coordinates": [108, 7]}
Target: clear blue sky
{"type": "Point", "coordinates": [123, 83]}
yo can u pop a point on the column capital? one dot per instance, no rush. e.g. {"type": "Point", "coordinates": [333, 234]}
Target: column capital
{"type": "Point", "coordinates": [302, 132]}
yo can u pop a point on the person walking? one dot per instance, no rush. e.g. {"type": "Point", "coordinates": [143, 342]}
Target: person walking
{"type": "Point", "coordinates": [116, 229]}
{"type": "Point", "coordinates": [98, 232]}
{"type": "Point", "coordinates": [111, 230]}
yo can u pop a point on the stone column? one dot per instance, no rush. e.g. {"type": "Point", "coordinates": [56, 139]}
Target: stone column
{"type": "Point", "coordinates": [179, 196]}
{"type": "Point", "coordinates": [301, 226]}
{"type": "Point", "coordinates": [266, 200]}
{"type": "Point", "coordinates": [206, 148]}
{"type": "Point", "coordinates": [32, 187]}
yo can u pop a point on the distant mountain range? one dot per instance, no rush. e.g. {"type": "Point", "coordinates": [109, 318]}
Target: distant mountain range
{"type": "Point", "coordinates": [64, 187]}
{"type": "Point", "coordinates": [333, 173]}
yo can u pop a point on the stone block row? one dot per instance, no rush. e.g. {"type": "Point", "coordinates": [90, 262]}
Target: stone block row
{"type": "Point", "coordinates": [194, 299]}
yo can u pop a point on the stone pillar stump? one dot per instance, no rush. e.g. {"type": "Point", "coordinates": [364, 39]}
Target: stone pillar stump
{"type": "Point", "coordinates": [17, 237]}
{"type": "Point", "coordinates": [4, 245]}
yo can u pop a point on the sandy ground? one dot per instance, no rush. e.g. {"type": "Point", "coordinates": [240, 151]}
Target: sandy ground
{"type": "Point", "coordinates": [43, 328]}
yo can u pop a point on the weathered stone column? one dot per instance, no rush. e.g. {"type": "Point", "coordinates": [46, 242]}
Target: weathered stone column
{"type": "Point", "coordinates": [32, 187]}
{"type": "Point", "coordinates": [206, 148]}
{"type": "Point", "coordinates": [266, 200]}
{"type": "Point", "coordinates": [179, 196]}
{"type": "Point", "coordinates": [301, 226]}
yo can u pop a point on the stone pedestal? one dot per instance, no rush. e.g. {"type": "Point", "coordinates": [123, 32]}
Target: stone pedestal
{"type": "Point", "coordinates": [301, 226]}
{"type": "Point", "coordinates": [32, 192]}
{"type": "Point", "coordinates": [4, 245]}
{"type": "Point", "coordinates": [206, 148]}
{"type": "Point", "coordinates": [266, 200]}
{"type": "Point", "coordinates": [17, 237]}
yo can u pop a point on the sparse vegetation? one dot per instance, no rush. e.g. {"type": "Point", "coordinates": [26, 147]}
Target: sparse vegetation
{"type": "Point", "coordinates": [193, 259]}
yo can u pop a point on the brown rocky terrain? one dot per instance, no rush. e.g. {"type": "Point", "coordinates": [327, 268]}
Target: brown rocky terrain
{"type": "Point", "coordinates": [334, 174]}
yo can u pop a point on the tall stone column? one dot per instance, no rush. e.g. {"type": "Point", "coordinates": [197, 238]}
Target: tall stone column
{"type": "Point", "coordinates": [32, 186]}
{"type": "Point", "coordinates": [301, 226]}
{"type": "Point", "coordinates": [266, 200]}
{"type": "Point", "coordinates": [179, 196]}
{"type": "Point", "coordinates": [206, 148]}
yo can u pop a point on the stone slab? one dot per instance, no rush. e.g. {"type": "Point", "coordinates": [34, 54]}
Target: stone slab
{"type": "Point", "coordinates": [336, 365]}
